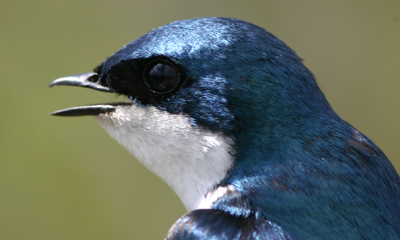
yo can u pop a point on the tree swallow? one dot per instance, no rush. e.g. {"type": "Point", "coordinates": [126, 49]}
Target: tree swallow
{"type": "Point", "coordinates": [229, 117]}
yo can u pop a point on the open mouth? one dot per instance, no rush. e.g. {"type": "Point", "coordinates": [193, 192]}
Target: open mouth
{"type": "Point", "coordinates": [88, 80]}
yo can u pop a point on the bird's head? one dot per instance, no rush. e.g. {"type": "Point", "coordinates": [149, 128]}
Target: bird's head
{"type": "Point", "coordinates": [204, 92]}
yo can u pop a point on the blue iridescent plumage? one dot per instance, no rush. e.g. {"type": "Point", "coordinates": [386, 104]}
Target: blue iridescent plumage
{"type": "Point", "coordinates": [299, 171]}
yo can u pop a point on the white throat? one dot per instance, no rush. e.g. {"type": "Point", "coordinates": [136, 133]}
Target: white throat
{"type": "Point", "coordinates": [192, 161]}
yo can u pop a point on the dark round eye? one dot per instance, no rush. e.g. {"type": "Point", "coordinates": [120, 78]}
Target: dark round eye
{"type": "Point", "coordinates": [161, 76]}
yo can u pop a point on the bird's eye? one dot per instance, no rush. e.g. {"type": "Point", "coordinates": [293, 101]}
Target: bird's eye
{"type": "Point", "coordinates": [161, 76]}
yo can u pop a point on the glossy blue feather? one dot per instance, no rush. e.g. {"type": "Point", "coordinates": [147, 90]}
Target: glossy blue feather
{"type": "Point", "coordinates": [300, 171]}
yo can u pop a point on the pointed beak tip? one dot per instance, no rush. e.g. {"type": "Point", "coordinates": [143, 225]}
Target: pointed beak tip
{"type": "Point", "coordinates": [57, 113]}
{"type": "Point", "coordinates": [55, 82]}
{"type": "Point", "coordinates": [52, 84]}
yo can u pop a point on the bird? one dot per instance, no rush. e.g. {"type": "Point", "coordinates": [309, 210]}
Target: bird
{"type": "Point", "coordinates": [231, 119]}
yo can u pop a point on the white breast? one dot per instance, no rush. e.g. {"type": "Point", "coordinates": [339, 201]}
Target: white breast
{"type": "Point", "coordinates": [192, 161]}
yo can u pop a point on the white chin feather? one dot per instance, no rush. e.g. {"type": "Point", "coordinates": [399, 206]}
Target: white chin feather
{"type": "Point", "coordinates": [192, 161]}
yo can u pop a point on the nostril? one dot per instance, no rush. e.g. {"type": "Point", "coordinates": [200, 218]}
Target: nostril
{"type": "Point", "coordinates": [93, 78]}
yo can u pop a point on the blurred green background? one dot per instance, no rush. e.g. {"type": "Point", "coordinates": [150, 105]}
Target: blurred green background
{"type": "Point", "coordinates": [65, 178]}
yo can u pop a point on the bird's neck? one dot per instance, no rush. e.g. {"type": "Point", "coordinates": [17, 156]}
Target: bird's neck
{"type": "Point", "coordinates": [190, 160]}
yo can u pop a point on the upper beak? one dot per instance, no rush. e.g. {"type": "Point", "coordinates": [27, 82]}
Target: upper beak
{"type": "Point", "coordinates": [88, 80]}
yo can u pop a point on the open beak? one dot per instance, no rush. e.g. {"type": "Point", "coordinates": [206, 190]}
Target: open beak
{"type": "Point", "coordinates": [88, 80]}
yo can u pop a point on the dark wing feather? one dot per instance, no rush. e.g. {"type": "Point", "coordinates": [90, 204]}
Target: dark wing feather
{"type": "Point", "coordinates": [214, 224]}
